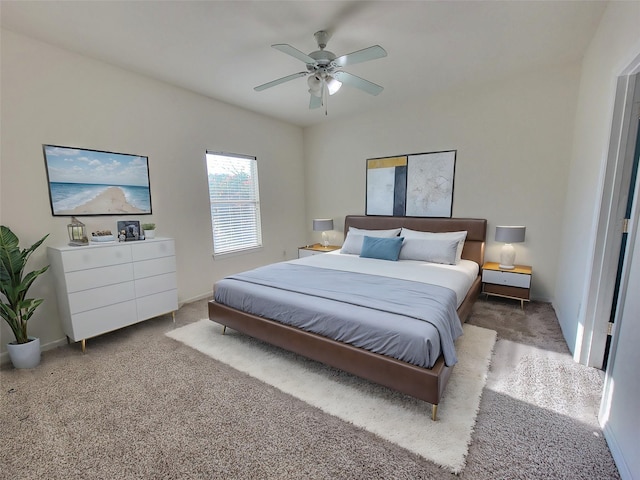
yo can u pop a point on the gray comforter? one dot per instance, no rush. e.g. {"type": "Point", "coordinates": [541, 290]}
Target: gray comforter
{"type": "Point", "coordinates": [410, 321]}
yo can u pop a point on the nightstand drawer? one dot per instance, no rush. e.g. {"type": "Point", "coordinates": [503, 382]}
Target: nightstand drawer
{"type": "Point", "coordinates": [506, 291]}
{"type": "Point", "coordinates": [506, 278]}
{"type": "Point", "coordinates": [303, 252]}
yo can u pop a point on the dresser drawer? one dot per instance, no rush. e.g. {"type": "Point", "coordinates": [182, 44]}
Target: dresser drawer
{"type": "Point", "coordinates": [101, 320]}
{"type": "Point", "coordinates": [88, 257]}
{"type": "Point", "coordinates": [98, 277]}
{"type": "Point", "coordinates": [155, 284]}
{"type": "Point", "coordinates": [157, 304]}
{"type": "Point", "coordinates": [148, 249]}
{"type": "Point", "coordinates": [156, 266]}
{"type": "Point", "coordinates": [506, 278]}
{"type": "Point", "coordinates": [101, 297]}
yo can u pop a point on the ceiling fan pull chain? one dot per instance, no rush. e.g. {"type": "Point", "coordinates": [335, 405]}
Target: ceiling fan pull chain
{"type": "Point", "coordinates": [325, 95]}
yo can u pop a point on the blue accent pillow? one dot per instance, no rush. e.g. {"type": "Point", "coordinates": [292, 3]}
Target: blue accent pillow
{"type": "Point", "coordinates": [381, 248]}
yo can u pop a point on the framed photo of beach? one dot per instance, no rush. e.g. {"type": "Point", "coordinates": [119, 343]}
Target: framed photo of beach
{"type": "Point", "coordinates": [95, 182]}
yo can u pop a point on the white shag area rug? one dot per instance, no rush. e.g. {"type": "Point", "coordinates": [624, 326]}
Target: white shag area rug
{"type": "Point", "coordinates": [395, 417]}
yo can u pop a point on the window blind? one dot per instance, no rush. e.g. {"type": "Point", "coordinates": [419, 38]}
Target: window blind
{"type": "Point", "coordinates": [235, 202]}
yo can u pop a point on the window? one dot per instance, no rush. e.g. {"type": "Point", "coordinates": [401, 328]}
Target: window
{"type": "Point", "coordinates": [235, 202]}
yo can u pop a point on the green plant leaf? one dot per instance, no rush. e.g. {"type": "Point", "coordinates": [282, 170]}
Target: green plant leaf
{"type": "Point", "coordinates": [17, 309]}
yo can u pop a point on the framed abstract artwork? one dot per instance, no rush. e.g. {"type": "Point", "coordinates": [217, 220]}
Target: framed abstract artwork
{"type": "Point", "coordinates": [95, 182]}
{"type": "Point", "coordinates": [415, 185]}
{"type": "Point", "coordinates": [386, 186]}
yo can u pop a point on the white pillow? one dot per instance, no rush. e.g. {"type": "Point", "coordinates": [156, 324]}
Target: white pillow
{"type": "Point", "coordinates": [435, 250]}
{"type": "Point", "coordinates": [376, 233]}
{"type": "Point", "coordinates": [352, 244]}
{"type": "Point", "coordinates": [459, 236]}
{"type": "Point", "coordinates": [355, 236]}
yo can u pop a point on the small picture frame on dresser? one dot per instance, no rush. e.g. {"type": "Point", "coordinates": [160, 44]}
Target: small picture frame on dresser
{"type": "Point", "coordinates": [129, 230]}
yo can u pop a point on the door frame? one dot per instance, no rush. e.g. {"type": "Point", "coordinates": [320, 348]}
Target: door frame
{"type": "Point", "coordinates": [591, 346]}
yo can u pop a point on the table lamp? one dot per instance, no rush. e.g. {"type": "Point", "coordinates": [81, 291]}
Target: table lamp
{"type": "Point", "coordinates": [509, 235]}
{"type": "Point", "coordinates": [323, 225]}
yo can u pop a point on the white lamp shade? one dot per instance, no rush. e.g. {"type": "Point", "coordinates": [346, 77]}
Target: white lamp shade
{"type": "Point", "coordinates": [333, 85]}
{"type": "Point", "coordinates": [315, 85]}
{"type": "Point", "coordinates": [510, 234]}
{"type": "Point", "coordinates": [322, 224]}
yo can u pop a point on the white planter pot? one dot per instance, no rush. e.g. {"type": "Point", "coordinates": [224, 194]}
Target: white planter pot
{"type": "Point", "coordinates": [149, 234]}
{"type": "Point", "coordinates": [25, 355]}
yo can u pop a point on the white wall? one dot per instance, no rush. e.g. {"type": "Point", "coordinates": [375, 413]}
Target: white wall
{"type": "Point", "coordinates": [615, 45]}
{"type": "Point", "coordinates": [53, 96]}
{"type": "Point", "coordinates": [513, 142]}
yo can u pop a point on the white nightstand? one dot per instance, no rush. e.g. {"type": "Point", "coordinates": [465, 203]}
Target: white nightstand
{"type": "Point", "coordinates": [514, 283]}
{"type": "Point", "coordinates": [315, 249]}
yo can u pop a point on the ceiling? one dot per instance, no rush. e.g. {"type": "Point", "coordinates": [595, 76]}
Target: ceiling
{"type": "Point", "coordinates": [221, 49]}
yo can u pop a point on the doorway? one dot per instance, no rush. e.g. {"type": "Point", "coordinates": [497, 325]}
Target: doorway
{"type": "Point", "coordinates": [591, 347]}
{"type": "Point", "coordinates": [630, 189]}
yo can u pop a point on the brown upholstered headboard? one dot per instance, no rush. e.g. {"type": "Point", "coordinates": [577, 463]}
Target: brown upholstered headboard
{"type": "Point", "coordinates": [476, 229]}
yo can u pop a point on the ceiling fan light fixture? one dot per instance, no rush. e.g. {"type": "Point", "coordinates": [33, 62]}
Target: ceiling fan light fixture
{"type": "Point", "coordinates": [333, 85]}
{"type": "Point", "coordinates": [315, 83]}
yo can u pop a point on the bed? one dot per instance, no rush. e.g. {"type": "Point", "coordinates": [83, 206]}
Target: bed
{"type": "Point", "coordinates": [425, 381]}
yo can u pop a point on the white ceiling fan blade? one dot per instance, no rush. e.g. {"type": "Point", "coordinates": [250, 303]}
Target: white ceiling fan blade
{"type": "Point", "coordinates": [357, 82]}
{"type": "Point", "coordinates": [360, 56]}
{"type": "Point", "coordinates": [264, 86]}
{"type": "Point", "coordinates": [294, 52]}
{"type": "Point", "coordinates": [315, 102]}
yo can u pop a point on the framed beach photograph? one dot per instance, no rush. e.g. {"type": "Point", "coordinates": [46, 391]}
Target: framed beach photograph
{"type": "Point", "coordinates": [94, 182]}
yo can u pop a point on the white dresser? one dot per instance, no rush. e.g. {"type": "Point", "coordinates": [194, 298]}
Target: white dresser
{"type": "Point", "coordinates": [103, 287]}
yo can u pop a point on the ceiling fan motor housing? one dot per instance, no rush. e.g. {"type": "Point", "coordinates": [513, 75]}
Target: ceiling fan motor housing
{"type": "Point", "coordinates": [323, 60]}
{"type": "Point", "coordinates": [322, 37]}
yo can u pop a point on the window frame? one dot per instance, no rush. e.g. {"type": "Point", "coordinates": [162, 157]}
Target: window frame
{"type": "Point", "coordinates": [256, 217]}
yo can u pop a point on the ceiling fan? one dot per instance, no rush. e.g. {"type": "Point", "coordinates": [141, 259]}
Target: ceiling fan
{"type": "Point", "coordinates": [324, 74]}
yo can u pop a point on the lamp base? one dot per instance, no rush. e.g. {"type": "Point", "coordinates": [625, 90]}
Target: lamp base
{"type": "Point", "coordinates": [325, 239]}
{"type": "Point", "coordinates": [507, 257]}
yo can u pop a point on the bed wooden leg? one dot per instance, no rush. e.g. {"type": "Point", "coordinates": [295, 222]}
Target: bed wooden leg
{"type": "Point", "coordinates": [434, 412]}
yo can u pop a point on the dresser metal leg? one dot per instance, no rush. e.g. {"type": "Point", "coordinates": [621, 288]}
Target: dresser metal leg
{"type": "Point", "coordinates": [84, 345]}
{"type": "Point", "coordinates": [434, 412]}
{"type": "Point", "coordinates": [224, 329]}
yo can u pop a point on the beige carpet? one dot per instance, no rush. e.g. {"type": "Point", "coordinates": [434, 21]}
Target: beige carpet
{"type": "Point", "coordinates": [139, 405]}
{"type": "Point", "coordinates": [398, 418]}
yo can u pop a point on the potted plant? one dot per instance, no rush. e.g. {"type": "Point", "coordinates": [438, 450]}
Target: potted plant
{"type": "Point", "coordinates": [15, 307]}
{"type": "Point", "coordinates": [149, 230]}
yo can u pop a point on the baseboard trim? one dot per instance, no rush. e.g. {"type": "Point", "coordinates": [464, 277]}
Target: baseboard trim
{"type": "Point", "coordinates": [195, 299]}
{"type": "Point", "coordinates": [616, 453]}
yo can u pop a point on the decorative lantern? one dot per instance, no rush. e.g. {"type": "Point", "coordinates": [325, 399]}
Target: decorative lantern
{"type": "Point", "coordinates": [77, 232]}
